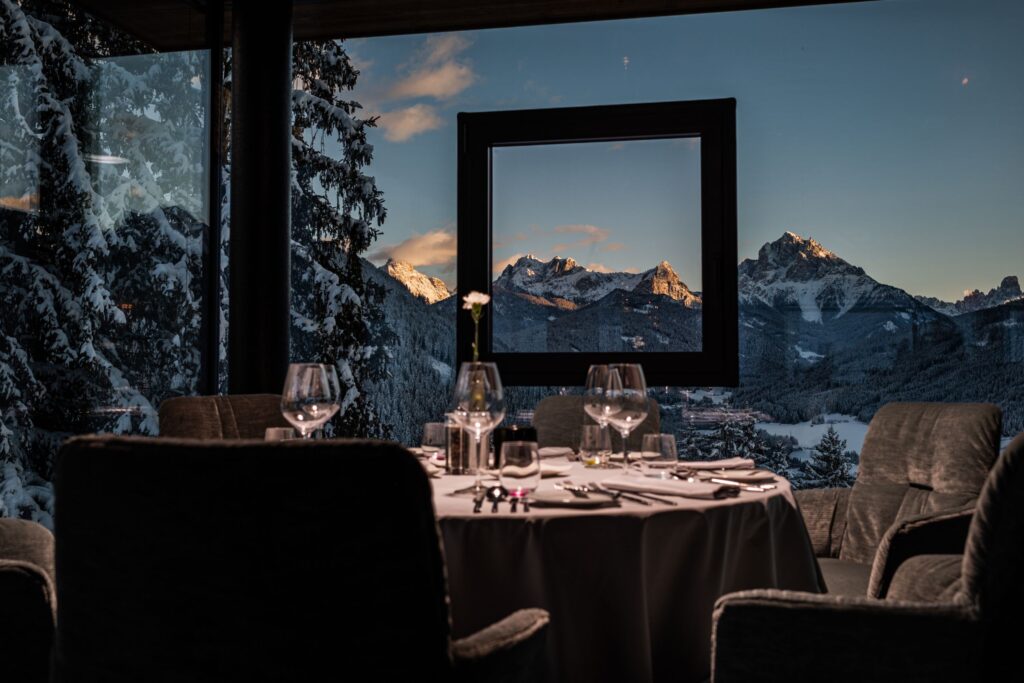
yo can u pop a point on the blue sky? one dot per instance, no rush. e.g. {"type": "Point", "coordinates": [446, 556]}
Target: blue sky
{"type": "Point", "coordinates": [890, 131]}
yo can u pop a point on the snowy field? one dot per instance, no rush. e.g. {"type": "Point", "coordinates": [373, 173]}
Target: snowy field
{"type": "Point", "coordinates": [808, 435]}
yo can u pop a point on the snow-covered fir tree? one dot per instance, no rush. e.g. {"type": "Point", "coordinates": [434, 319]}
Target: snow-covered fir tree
{"type": "Point", "coordinates": [336, 212]}
{"type": "Point", "coordinates": [829, 466]}
{"type": "Point", "coordinates": [96, 264]}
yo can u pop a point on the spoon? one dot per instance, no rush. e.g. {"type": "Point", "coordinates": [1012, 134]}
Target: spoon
{"type": "Point", "coordinates": [496, 494]}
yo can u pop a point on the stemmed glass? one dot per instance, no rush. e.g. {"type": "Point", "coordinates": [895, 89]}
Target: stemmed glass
{"type": "Point", "coordinates": [626, 393]}
{"type": "Point", "coordinates": [478, 404]}
{"type": "Point", "coordinates": [310, 397]}
{"type": "Point", "coordinates": [595, 399]}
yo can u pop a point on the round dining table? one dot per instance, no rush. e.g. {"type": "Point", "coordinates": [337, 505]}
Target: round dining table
{"type": "Point", "coordinates": [630, 589]}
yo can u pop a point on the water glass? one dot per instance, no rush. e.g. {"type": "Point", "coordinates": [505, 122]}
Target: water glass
{"type": "Point", "coordinates": [310, 396]}
{"type": "Point", "coordinates": [278, 434]}
{"type": "Point", "coordinates": [595, 445]}
{"type": "Point", "coordinates": [659, 451]}
{"type": "Point", "coordinates": [434, 436]}
{"type": "Point", "coordinates": [520, 468]}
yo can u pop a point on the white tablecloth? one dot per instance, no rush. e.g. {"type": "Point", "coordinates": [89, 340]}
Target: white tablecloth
{"type": "Point", "coordinates": [630, 590]}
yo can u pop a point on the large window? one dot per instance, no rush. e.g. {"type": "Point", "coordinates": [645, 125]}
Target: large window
{"type": "Point", "coordinates": [103, 214]}
{"type": "Point", "coordinates": [881, 227]}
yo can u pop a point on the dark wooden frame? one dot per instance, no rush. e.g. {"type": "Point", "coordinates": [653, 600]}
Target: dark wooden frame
{"type": "Point", "coordinates": [714, 121]}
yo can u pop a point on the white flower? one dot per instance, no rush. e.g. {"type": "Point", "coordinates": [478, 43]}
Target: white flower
{"type": "Point", "coordinates": [474, 298]}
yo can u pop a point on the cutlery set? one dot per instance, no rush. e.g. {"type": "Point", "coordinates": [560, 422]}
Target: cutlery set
{"type": "Point", "coordinates": [495, 494]}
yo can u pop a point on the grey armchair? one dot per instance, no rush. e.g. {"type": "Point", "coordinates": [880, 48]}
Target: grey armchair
{"type": "Point", "coordinates": [948, 617]}
{"type": "Point", "coordinates": [922, 467]}
{"type": "Point", "coordinates": [233, 416]}
{"type": "Point", "coordinates": [558, 420]}
{"type": "Point", "coordinates": [27, 601]}
{"type": "Point", "coordinates": [243, 560]}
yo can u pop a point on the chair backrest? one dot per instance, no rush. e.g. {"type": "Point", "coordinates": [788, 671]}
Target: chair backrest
{"type": "Point", "coordinates": [246, 560]}
{"type": "Point", "coordinates": [558, 420]}
{"type": "Point", "coordinates": [993, 565]}
{"type": "Point", "coordinates": [918, 458]}
{"type": "Point", "coordinates": [234, 416]}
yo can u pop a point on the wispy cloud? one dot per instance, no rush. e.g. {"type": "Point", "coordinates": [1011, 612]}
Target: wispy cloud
{"type": "Point", "coordinates": [439, 82]}
{"type": "Point", "coordinates": [592, 235]}
{"type": "Point", "coordinates": [435, 248]}
{"type": "Point", "coordinates": [400, 125]}
{"type": "Point", "coordinates": [613, 246]}
{"type": "Point", "coordinates": [434, 70]}
{"type": "Point", "coordinates": [598, 268]}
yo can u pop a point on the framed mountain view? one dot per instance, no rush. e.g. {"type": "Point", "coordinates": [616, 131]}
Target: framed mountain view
{"type": "Point", "coordinates": [603, 234]}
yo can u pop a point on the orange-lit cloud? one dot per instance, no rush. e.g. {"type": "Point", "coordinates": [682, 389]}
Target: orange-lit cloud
{"type": "Point", "coordinates": [26, 202]}
{"type": "Point", "coordinates": [500, 265]}
{"type": "Point", "coordinates": [401, 124]}
{"type": "Point", "coordinates": [435, 248]}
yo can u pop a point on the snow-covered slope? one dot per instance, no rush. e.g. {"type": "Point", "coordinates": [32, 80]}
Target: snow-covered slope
{"type": "Point", "coordinates": [430, 289]}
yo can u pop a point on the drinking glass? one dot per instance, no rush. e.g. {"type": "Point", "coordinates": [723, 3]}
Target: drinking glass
{"type": "Point", "coordinates": [435, 435]}
{"type": "Point", "coordinates": [478, 404]}
{"type": "Point", "coordinates": [595, 399]}
{"type": "Point", "coordinates": [659, 450]}
{"type": "Point", "coordinates": [626, 394]}
{"type": "Point", "coordinates": [595, 445]}
{"type": "Point", "coordinates": [310, 396]}
{"type": "Point", "coordinates": [520, 468]}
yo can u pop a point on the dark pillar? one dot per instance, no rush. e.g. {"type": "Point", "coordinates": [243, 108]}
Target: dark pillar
{"type": "Point", "coordinates": [260, 293]}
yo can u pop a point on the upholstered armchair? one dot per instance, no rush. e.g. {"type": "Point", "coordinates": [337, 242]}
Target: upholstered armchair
{"type": "Point", "coordinates": [234, 416]}
{"type": "Point", "coordinates": [27, 601]}
{"type": "Point", "coordinates": [922, 467]}
{"type": "Point", "coordinates": [558, 420]}
{"type": "Point", "coordinates": [948, 617]}
{"type": "Point", "coordinates": [245, 560]}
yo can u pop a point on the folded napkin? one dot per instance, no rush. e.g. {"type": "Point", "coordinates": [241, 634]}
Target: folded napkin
{"type": "Point", "coordinates": [555, 451]}
{"type": "Point", "coordinates": [431, 470]}
{"type": "Point", "coordinates": [727, 464]}
{"type": "Point", "coordinates": [740, 476]}
{"type": "Point", "coordinates": [670, 487]}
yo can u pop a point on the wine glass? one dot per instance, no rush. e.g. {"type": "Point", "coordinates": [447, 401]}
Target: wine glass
{"type": "Point", "coordinates": [595, 403]}
{"type": "Point", "coordinates": [659, 450]}
{"type": "Point", "coordinates": [310, 396]}
{"type": "Point", "coordinates": [519, 470]}
{"type": "Point", "coordinates": [478, 404]}
{"type": "Point", "coordinates": [626, 392]}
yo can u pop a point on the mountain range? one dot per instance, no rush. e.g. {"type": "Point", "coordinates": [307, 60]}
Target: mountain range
{"type": "Point", "coordinates": [817, 334]}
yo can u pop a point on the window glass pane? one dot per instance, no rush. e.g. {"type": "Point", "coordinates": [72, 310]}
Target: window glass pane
{"type": "Point", "coordinates": [103, 214]}
{"type": "Point", "coordinates": [587, 263]}
{"type": "Point", "coordinates": [879, 207]}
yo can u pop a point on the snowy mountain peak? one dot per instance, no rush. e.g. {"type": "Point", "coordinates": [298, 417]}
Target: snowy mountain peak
{"type": "Point", "coordinates": [430, 289]}
{"type": "Point", "coordinates": [799, 273]}
{"type": "Point", "coordinates": [564, 283]}
{"type": "Point", "coordinates": [662, 279]}
{"type": "Point", "coordinates": [976, 300]}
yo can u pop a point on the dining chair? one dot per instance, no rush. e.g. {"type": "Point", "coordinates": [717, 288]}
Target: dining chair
{"type": "Point", "coordinates": [948, 617]}
{"type": "Point", "coordinates": [559, 420]}
{"type": "Point", "coordinates": [231, 416]}
{"type": "Point", "coordinates": [921, 466]}
{"type": "Point", "coordinates": [27, 601]}
{"type": "Point", "coordinates": [192, 560]}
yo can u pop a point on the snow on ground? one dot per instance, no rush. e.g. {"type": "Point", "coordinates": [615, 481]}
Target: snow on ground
{"type": "Point", "coordinates": [808, 355]}
{"type": "Point", "coordinates": [443, 369]}
{"type": "Point", "coordinates": [808, 435]}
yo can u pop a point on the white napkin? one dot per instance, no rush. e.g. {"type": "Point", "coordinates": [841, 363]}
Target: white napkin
{"type": "Point", "coordinates": [646, 455]}
{"type": "Point", "coordinates": [555, 451]}
{"type": "Point", "coordinates": [666, 487]}
{"type": "Point", "coordinates": [727, 464]}
{"type": "Point", "coordinates": [430, 469]}
{"type": "Point", "coordinates": [547, 470]}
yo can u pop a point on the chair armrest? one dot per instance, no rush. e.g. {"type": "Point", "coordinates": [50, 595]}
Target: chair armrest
{"type": "Point", "coordinates": [824, 513]}
{"type": "Point", "coordinates": [772, 635]}
{"type": "Point", "coordinates": [27, 600]}
{"type": "Point", "coordinates": [502, 651]}
{"type": "Point", "coordinates": [934, 533]}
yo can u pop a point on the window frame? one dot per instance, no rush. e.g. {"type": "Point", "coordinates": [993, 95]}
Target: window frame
{"type": "Point", "coordinates": [714, 121]}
